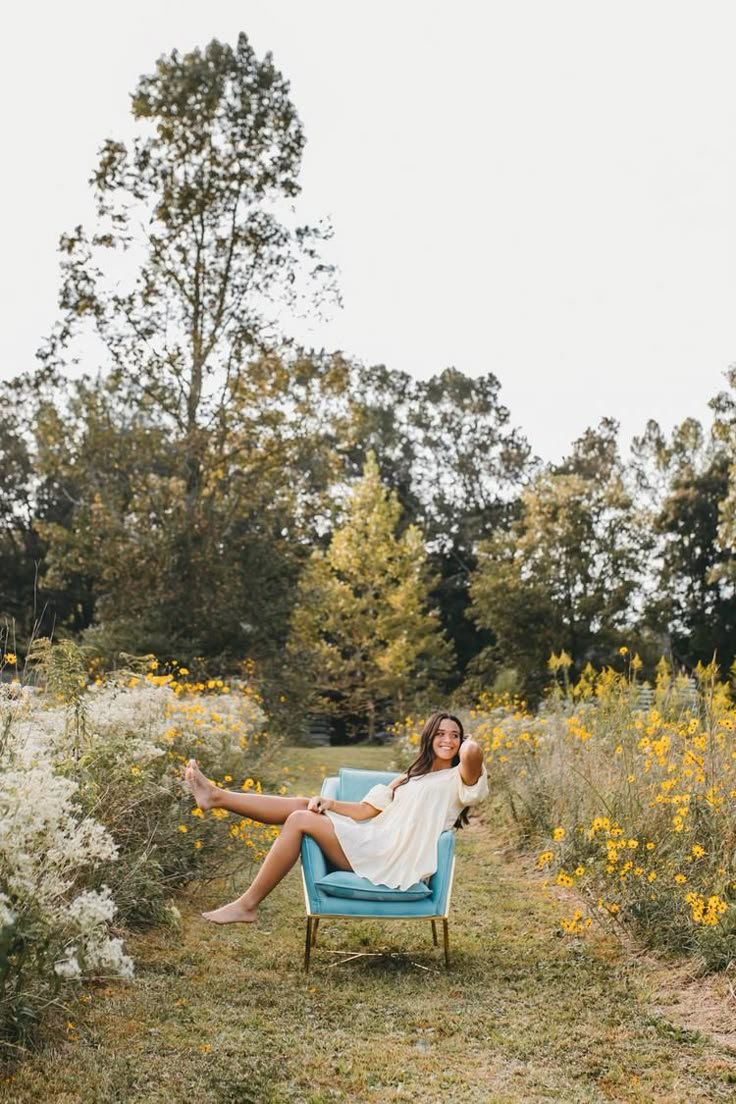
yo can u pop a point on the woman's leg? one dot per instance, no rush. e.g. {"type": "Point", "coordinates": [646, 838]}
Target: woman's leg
{"type": "Point", "coordinates": [261, 807]}
{"type": "Point", "coordinates": [279, 861]}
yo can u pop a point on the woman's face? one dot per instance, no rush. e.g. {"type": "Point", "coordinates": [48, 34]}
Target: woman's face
{"type": "Point", "coordinates": [446, 741]}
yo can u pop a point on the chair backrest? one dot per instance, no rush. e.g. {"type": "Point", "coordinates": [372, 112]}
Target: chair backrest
{"type": "Point", "coordinates": [354, 783]}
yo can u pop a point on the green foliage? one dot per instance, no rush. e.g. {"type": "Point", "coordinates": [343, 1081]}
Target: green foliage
{"type": "Point", "coordinates": [683, 490]}
{"type": "Point", "coordinates": [20, 549]}
{"type": "Point", "coordinates": [361, 627]}
{"type": "Point", "coordinates": [445, 445]}
{"type": "Point", "coordinates": [565, 573]}
{"type": "Point", "coordinates": [176, 481]}
{"type": "Point", "coordinates": [169, 501]}
{"type": "Point", "coordinates": [219, 148]}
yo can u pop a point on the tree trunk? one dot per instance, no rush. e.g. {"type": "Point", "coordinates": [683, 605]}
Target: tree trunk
{"type": "Point", "coordinates": [371, 721]}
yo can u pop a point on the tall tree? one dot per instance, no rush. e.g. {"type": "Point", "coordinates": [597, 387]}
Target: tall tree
{"type": "Point", "coordinates": [200, 198]}
{"type": "Point", "coordinates": [687, 602]}
{"type": "Point", "coordinates": [446, 446]}
{"type": "Point", "coordinates": [565, 573]}
{"type": "Point", "coordinates": [363, 634]}
{"type": "Point", "coordinates": [20, 547]}
{"type": "Point", "coordinates": [194, 258]}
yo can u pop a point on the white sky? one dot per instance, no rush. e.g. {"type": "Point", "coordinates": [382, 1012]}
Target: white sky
{"type": "Point", "coordinates": [545, 189]}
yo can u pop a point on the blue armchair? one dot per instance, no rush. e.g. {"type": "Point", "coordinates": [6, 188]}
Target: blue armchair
{"type": "Point", "coordinates": [330, 893]}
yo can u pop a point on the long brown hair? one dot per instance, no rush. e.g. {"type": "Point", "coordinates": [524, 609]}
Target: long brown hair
{"type": "Point", "coordinates": [425, 757]}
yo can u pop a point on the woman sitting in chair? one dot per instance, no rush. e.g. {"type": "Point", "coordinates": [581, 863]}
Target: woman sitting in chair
{"type": "Point", "coordinates": [390, 837]}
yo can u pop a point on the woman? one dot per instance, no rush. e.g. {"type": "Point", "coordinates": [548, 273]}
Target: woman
{"type": "Point", "coordinates": [390, 837]}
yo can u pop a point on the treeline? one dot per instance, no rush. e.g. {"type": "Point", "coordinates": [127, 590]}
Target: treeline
{"type": "Point", "coordinates": [209, 492]}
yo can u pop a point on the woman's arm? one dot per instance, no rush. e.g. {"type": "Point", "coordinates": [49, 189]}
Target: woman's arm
{"type": "Point", "coordinates": [358, 810]}
{"type": "Point", "coordinates": [471, 762]}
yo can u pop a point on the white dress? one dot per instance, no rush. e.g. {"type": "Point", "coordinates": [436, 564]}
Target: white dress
{"type": "Point", "coordinates": [399, 846]}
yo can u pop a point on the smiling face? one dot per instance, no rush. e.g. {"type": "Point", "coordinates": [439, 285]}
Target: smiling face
{"type": "Point", "coordinates": [446, 743]}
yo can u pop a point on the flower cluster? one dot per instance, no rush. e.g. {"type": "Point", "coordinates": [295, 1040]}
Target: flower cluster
{"type": "Point", "coordinates": [631, 792]}
{"type": "Point", "coordinates": [96, 826]}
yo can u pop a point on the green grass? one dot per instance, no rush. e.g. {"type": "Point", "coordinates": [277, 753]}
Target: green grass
{"type": "Point", "coordinates": [226, 1016]}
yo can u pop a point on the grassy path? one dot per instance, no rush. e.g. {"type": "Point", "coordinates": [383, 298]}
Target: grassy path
{"type": "Point", "coordinates": [225, 1016]}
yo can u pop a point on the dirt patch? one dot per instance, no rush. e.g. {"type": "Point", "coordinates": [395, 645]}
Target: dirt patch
{"type": "Point", "coordinates": [704, 1004]}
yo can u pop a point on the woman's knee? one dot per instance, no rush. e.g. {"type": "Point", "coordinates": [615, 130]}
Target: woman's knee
{"type": "Point", "coordinates": [300, 819]}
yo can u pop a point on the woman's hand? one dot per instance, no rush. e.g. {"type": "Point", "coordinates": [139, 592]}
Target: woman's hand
{"type": "Point", "coordinates": [320, 804]}
{"type": "Point", "coordinates": [469, 749]}
{"type": "Point", "coordinates": [471, 762]}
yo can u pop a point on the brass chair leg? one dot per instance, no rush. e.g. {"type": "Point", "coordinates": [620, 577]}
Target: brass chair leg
{"type": "Point", "coordinates": [308, 945]}
{"type": "Point", "coordinates": [315, 925]}
{"type": "Point", "coordinates": [435, 940]}
{"type": "Point", "coordinates": [446, 938]}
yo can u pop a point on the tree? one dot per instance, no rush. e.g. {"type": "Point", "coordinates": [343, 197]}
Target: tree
{"type": "Point", "coordinates": [200, 198]}
{"type": "Point", "coordinates": [189, 469]}
{"type": "Point", "coordinates": [565, 573]}
{"type": "Point", "coordinates": [682, 482]}
{"type": "Point", "coordinates": [157, 572]}
{"type": "Point", "coordinates": [20, 547]}
{"type": "Point", "coordinates": [362, 633]}
{"type": "Point", "coordinates": [446, 447]}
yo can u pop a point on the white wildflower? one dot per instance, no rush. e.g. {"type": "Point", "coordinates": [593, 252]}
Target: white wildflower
{"type": "Point", "coordinates": [104, 955]}
{"type": "Point", "coordinates": [7, 916]}
{"type": "Point", "coordinates": [92, 907]}
{"type": "Point", "coordinates": [69, 967]}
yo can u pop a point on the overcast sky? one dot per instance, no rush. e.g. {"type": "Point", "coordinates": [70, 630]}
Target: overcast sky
{"type": "Point", "coordinates": [544, 189]}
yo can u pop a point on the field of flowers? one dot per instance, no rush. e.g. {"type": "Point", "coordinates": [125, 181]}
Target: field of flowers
{"type": "Point", "coordinates": [626, 795]}
{"type": "Point", "coordinates": [96, 828]}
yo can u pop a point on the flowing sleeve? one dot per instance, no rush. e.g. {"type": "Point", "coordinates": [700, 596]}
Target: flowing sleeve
{"type": "Point", "coordinates": [379, 796]}
{"type": "Point", "coordinates": [471, 795]}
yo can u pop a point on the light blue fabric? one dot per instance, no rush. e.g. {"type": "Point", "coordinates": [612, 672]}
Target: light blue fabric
{"type": "Point", "coordinates": [344, 883]}
{"type": "Point", "coordinates": [353, 785]}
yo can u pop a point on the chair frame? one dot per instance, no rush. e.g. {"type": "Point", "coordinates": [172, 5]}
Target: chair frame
{"type": "Point", "coordinates": [313, 919]}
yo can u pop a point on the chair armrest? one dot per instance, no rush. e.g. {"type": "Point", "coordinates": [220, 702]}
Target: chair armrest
{"type": "Point", "coordinates": [313, 860]}
{"type": "Point", "coordinates": [439, 883]}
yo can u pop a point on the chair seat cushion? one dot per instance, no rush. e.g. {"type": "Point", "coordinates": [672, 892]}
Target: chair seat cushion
{"type": "Point", "coordinates": [344, 883]}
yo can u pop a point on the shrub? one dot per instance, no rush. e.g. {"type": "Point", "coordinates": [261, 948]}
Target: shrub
{"type": "Point", "coordinates": [96, 826]}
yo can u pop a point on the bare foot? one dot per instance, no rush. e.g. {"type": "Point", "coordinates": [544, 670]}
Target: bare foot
{"type": "Point", "coordinates": [205, 792]}
{"type": "Point", "coordinates": [234, 913]}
